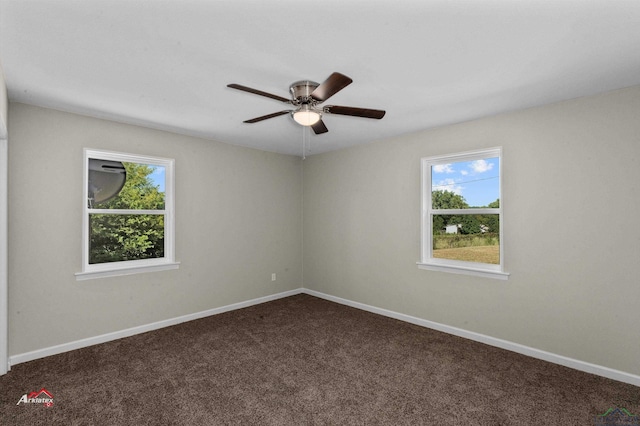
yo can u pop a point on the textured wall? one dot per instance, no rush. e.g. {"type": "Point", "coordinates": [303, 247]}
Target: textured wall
{"type": "Point", "coordinates": [238, 219]}
{"type": "Point", "coordinates": [571, 206]}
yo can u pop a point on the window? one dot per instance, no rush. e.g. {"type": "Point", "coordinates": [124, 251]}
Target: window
{"type": "Point", "coordinates": [462, 213]}
{"type": "Point", "coordinates": [128, 209]}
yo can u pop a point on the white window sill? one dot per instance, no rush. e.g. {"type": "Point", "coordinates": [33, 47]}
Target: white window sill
{"type": "Point", "coordinates": [81, 276]}
{"type": "Point", "coordinates": [465, 270]}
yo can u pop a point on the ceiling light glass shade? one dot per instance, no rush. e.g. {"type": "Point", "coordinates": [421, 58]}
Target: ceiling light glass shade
{"type": "Point", "coordinates": [306, 116]}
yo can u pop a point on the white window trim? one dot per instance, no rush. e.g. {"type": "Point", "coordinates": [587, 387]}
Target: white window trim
{"type": "Point", "coordinates": [427, 261]}
{"type": "Point", "coordinates": [132, 266]}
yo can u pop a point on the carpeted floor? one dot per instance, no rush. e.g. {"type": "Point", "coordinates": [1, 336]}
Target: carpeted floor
{"type": "Point", "coordinates": [304, 361]}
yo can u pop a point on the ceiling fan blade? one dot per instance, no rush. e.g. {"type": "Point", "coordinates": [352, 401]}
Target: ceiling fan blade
{"type": "Point", "coordinates": [265, 117]}
{"type": "Point", "coordinates": [258, 92]}
{"type": "Point", "coordinates": [357, 112]}
{"type": "Point", "coordinates": [331, 86]}
{"type": "Point", "coordinates": [319, 128]}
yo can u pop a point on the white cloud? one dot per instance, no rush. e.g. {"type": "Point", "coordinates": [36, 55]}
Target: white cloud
{"type": "Point", "coordinates": [447, 185]}
{"type": "Point", "coordinates": [481, 166]}
{"type": "Point", "coordinates": [464, 172]}
{"type": "Point", "coordinates": [443, 168]}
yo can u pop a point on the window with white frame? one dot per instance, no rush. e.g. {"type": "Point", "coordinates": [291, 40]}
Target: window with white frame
{"type": "Point", "coordinates": [128, 214]}
{"type": "Point", "coordinates": [462, 213]}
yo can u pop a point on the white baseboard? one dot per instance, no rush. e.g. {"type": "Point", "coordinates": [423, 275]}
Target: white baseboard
{"type": "Point", "coordinates": [103, 338]}
{"type": "Point", "coordinates": [587, 367]}
{"type": "Point", "coordinates": [492, 341]}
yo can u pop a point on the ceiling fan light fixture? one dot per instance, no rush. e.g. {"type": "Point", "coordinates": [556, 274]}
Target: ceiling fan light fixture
{"type": "Point", "coordinates": [305, 116]}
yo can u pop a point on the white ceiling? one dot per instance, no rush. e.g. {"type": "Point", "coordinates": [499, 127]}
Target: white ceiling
{"type": "Point", "coordinates": [166, 63]}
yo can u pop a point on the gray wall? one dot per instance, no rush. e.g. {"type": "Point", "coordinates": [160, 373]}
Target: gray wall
{"type": "Point", "coordinates": [238, 219]}
{"type": "Point", "coordinates": [572, 241]}
{"type": "Point", "coordinates": [4, 302]}
{"type": "Point", "coordinates": [4, 106]}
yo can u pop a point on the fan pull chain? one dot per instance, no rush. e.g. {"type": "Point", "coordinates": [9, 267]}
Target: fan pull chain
{"type": "Point", "coordinates": [306, 141]}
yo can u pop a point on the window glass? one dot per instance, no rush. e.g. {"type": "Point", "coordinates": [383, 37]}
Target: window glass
{"type": "Point", "coordinates": [125, 185]}
{"type": "Point", "coordinates": [465, 184]}
{"type": "Point", "coordinates": [470, 238]}
{"type": "Point", "coordinates": [470, 184]}
{"type": "Point", "coordinates": [122, 237]}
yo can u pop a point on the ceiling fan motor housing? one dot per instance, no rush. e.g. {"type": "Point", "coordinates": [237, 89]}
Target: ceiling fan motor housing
{"type": "Point", "coordinates": [301, 91]}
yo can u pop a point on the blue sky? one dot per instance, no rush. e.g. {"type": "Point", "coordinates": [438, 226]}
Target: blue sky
{"type": "Point", "coordinates": [477, 181]}
{"type": "Point", "coordinates": [158, 177]}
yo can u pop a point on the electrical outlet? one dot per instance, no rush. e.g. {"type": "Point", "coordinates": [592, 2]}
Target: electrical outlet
{"type": "Point", "coordinates": [273, 277]}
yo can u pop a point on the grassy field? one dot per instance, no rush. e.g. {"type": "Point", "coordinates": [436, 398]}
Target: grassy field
{"type": "Point", "coordinates": [483, 254]}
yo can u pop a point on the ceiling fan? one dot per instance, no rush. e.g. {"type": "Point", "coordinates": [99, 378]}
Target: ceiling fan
{"type": "Point", "coordinates": [307, 96]}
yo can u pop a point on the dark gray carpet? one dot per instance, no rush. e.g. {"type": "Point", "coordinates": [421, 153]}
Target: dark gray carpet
{"type": "Point", "coordinates": [304, 361]}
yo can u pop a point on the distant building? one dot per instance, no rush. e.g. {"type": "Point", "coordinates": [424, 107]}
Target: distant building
{"type": "Point", "coordinates": [452, 229]}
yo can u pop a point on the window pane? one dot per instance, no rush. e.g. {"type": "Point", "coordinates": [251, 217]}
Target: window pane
{"type": "Point", "coordinates": [468, 237]}
{"type": "Point", "coordinates": [122, 185]}
{"type": "Point", "coordinates": [120, 237]}
{"type": "Point", "coordinates": [465, 184]}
